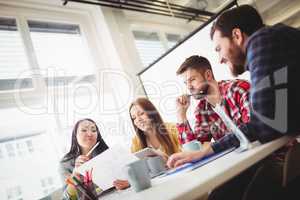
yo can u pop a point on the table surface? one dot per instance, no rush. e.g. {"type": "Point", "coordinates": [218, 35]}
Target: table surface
{"type": "Point", "coordinates": [196, 183]}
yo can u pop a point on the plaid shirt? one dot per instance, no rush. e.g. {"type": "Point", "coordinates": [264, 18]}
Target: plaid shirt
{"type": "Point", "coordinates": [208, 124]}
{"type": "Point", "coordinates": [274, 63]}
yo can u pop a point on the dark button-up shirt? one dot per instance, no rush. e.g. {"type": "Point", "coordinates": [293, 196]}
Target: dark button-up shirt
{"type": "Point", "coordinates": [273, 59]}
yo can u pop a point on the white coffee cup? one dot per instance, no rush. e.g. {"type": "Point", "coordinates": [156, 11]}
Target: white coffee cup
{"type": "Point", "coordinates": [156, 165]}
{"type": "Point", "coordinates": [193, 145]}
{"type": "Point", "coordinates": [138, 175]}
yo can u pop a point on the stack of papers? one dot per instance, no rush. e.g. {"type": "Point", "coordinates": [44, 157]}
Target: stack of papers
{"type": "Point", "coordinates": [108, 166]}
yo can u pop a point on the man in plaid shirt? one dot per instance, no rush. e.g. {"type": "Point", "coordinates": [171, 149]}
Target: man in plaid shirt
{"type": "Point", "coordinates": [271, 55]}
{"type": "Point", "coordinates": [234, 95]}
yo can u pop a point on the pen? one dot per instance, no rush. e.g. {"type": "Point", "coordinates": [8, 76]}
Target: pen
{"type": "Point", "coordinates": [200, 94]}
{"type": "Point", "coordinates": [91, 175]}
{"type": "Point", "coordinates": [83, 189]}
{"type": "Point", "coordinates": [70, 182]}
{"type": "Point", "coordinates": [92, 149]}
{"type": "Point", "coordinates": [86, 177]}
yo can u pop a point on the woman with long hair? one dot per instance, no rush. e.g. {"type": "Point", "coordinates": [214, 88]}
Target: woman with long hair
{"type": "Point", "coordinates": [84, 136]}
{"type": "Point", "coordinates": [150, 129]}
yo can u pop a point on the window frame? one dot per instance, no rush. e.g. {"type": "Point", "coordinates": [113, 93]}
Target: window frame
{"type": "Point", "coordinates": [161, 30]}
{"type": "Point", "coordinates": [22, 15]}
{"type": "Point", "coordinates": [88, 18]}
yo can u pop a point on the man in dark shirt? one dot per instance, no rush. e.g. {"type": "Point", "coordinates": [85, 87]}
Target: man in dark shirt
{"type": "Point", "coordinates": [271, 55]}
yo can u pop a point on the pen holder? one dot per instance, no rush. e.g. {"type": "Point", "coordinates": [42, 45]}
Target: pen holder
{"type": "Point", "coordinates": [92, 188]}
{"type": "Point", "coordinates": [85, 190]}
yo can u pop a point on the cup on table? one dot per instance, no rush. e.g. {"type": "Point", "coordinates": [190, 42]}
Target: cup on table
{"type": "Point", "coordinates": [138, 175]}
{"type": "Point", "coordinates": [156, 165]}
{"type": "Point", "coordinates": [193, 145]}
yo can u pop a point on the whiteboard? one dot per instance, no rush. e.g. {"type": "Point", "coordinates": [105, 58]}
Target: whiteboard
{"type": "Point", "coordinates": [163, 86]}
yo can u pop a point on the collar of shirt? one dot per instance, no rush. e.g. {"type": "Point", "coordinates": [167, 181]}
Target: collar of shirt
{"type": "Point", "coordinates": [204, 105]}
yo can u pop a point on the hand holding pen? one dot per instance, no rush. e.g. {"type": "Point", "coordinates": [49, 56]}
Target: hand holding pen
{"type": "Point", "coordinates": [83, 158]}
{"type": "Point", "coordinates": [182, 105]}
{"type": "Point", "coordinates": [183, 101]}
{"type": "Point", "coordinates": [80, 160]}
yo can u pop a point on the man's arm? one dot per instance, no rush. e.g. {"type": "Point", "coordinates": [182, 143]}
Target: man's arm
{"type": "Point", "coordinates": [241, 93]}
{"type": "Point", "coordinates": [185, 133]}
{"type": "Point", "coordinates": [261, 62]}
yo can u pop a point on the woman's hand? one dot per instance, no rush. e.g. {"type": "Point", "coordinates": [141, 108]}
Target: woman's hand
{"type": "Point", "coordinates": [80, 160]}
{"type": "Point", "coordinates": [121, 184]}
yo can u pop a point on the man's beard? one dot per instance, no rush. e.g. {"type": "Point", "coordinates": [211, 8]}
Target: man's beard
{"type": "Point", "coordinates": [237, 70]}
{"type": "Point", "coordinates": [238, 62]}
{"type": "Point", "coordinates": [200, 93]}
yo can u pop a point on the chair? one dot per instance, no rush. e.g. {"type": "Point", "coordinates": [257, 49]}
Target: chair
{"type": "Point", "coordinates": [264, 185]}
{"type": "Point", "coordinates": [272, 178]}
{"type": "Point", "coordinates": [291, 165]}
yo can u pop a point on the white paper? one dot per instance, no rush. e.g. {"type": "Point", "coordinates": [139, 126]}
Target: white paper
{"type": "Point", "coordinates": [108, 166]}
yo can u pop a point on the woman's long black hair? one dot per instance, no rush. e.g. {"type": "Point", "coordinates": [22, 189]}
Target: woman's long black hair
{"type": "Point", "coordinates": [75, 150]}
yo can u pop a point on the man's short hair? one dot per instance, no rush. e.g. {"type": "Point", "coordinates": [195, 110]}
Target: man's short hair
{"type": "Point", "coordinates": [196, 62]}
{"type": "Point", "coordinates": [244, 17]}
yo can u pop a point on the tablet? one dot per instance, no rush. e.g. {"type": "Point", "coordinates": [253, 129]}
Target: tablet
{"type": "Point", "coordinates": [146, 152]}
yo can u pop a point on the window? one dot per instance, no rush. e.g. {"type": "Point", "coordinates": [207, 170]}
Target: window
{"type": "Point", "coordinates": [20, 146]}
{"type": "Point", "coordinates": [148, 45]}
{"type": "Point", "coordinates": [30, 146]}
{"type": "Point", "coordinates": [61, 55]}
{"type": "Point", "coordinates": [13, 59]}
{"type": "Point", "coordinates": [1, 153]}
{"type": "Point", "coordinates": [17, 148]}
{"type": "Point", "coordinates": [61, 52]}
{"type": "Point", "coordinates": [10, 149]}
{"type": "Point", "coordinates": [14, 193]}
{"type": "Point", "coordinates": [56, 43]}
{"type": "Point", "coordinates": [47, 185]}
{"type": "Point", "coordinates": [173, 39]}
{"type": "Point", "coordinates": [151, 45]}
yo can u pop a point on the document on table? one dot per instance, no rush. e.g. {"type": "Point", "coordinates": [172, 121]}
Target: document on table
{"type": "Point", "coordinates": [108, 166]}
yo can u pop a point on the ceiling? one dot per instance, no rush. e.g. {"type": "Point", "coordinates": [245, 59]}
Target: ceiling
{"type": "Point", "coordinates": [272, 11]}
{"type": "Point", "coordinates": [157, 7]}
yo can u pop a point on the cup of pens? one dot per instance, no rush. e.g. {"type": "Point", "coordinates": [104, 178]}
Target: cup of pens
{"type": "Point", "coordinates": [84, 185]}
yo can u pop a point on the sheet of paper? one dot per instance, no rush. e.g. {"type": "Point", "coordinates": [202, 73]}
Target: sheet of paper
{"type": "Point", "coordinates": [108, 166]}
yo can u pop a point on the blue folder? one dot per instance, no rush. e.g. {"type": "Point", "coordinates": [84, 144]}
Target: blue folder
{"type": "Point", "coordinates": [197, 163]}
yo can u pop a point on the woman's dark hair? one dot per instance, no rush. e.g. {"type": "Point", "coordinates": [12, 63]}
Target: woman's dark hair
{"type": "Point", "coordinates": [75, 150]}
{"type": "Point", "coordinates": [244, 17]}
{"type": "Point", "coordinates": [157, 122]}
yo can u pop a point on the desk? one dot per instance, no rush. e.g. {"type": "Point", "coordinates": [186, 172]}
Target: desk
{"type": "Point", "coordinates": [196, 183]}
